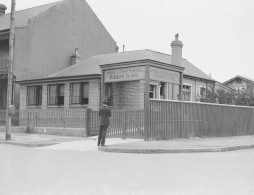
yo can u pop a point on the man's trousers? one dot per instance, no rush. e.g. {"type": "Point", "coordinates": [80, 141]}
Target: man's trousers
{"type": "Point", "coordinates": [102, 135]}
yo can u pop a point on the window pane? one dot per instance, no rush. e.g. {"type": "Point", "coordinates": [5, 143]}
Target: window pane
{"type": "Point", "coordinates": [75, 93]}
{"type": "Point", "coordinates": [85, 93]}
{"type": "Point", "coordinates": [34, 95]}
{"type": "Point", "coordinates": [151, 91]}
{"type": "Point", "coordinates": [60, 98]}
{"type": "Point", "coordinates": [176, 90]}
{"type": "Point", "coordinates": [52, 94]}
{"type": "Point", "coordinates": [31, 94]}
{"type": "Point", "coordinates": [85, 90]}
{"type": "Point", "coordinates": [39, 95]}
{"type": "Point", "coordinates": [61, 90]}
{"type": "Point", "coordinates": [186, 93]}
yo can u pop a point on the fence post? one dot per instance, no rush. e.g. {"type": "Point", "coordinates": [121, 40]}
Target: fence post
{"type": "Point", "coordinates": [124, 124]}
{"type": "Point", "coordinates": [87, 122]}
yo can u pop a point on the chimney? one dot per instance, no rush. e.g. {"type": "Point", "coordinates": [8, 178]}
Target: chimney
{"type": "Point", "coordinates": [177, 51]}
{"type": "Point", "coordinates": [2, 9]}
{"type": "Point", "coordinates": [75, 58]}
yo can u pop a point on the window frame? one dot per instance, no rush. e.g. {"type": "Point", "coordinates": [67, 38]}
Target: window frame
{"type": "Point", "coordinates": [190, 92]}
{"type": "Point", "coordinates": [200, 88]}
{"type": "Point", "coordinates": [37, 93]}
{"type": "Point", "coordinates": [153, 91]}
{"type": "Point", "coordinates": [81, 100]}
{"type": "Point", "coordinates": [59, 99]}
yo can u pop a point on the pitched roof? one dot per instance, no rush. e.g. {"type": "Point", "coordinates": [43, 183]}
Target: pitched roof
{"type": "Point", "coordinates": [22, 16]}
{"type": "Point", "coordinates": [241, 77]}
{"type": "Point", "coordinates": [91, 65]}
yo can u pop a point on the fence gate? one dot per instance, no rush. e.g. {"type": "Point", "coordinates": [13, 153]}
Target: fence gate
{"type": "Point", "coordinates": [123, 123]}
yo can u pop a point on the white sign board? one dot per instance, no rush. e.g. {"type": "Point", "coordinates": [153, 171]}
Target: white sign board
{"type": "Point", "coordinates": [124, 74]}
{"type": "Point", "coordinates": [164, 75]}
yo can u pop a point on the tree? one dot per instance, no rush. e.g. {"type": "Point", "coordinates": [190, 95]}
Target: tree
{"type": "Point", "coordinates": [240, 97]}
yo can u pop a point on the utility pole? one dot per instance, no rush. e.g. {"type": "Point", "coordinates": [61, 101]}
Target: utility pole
{"type": "Point", "coordinates": [9, 103]}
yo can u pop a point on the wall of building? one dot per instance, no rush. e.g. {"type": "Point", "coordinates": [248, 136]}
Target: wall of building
{"type": "Point", "coordinates": [47, 43]}
{"type": "Point", "coordinates": [195, 87]}
{"type": "Point", "coordinates": [238, 85]}
{"type": "Point", "coordinates": [128, 95]}
{"type": "Point", "coordinates": [94, 96]}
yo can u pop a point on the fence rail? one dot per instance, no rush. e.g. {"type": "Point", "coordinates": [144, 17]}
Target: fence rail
{"type": "Point", "coordinates": [174, 119]}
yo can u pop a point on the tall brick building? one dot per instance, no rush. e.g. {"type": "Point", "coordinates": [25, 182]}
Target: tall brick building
{"type": "Point", "coordinates": [46, 38]}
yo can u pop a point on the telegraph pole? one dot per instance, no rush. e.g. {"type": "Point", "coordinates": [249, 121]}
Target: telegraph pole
{"type": "Point", "coordinates": [9, 106]}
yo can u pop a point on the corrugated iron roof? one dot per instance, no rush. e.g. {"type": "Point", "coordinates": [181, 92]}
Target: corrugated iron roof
{"type": "Point", "coordinates": [22, 16]}
{"type": "Point", "coordinates": [91, 65]}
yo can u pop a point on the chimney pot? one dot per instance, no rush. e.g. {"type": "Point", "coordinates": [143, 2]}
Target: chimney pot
{"type": "Point", "coordinates": [75, 58]}
{"type": "Point", "coordinates": [2, 9]}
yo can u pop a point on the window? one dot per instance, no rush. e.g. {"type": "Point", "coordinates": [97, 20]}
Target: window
{"type": "Point", "coordinates": [109, 93]}
{"type": "Point", "coordinates": [162, 91]}
{"type": "Point", "coordinates": [34, 95]}
{"type": "Point", "coordinates": [79, 93]}
{"type": "Point", "coordinates": [202, 92]}
{"type": "Point", "coordinates": [151, 91]}
{"type": "Point", "coordinates": [186, 93]}
{"type": "Point", "coordinates": [56, 94]}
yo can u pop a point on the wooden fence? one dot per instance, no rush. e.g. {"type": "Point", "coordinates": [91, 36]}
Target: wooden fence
{"type": "Point", "coordinates": [123, 123]}
{"type": "Point", "coordinates": [167, 120]}
{"type": "Point", "coordinates": [175, 119]}
{"type": "Point", "coordinates": [65, 118]}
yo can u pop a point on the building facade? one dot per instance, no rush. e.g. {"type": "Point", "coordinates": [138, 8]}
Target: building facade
{"type": "Point", "coordinates": [46, 38]}
{"type": "Point", "coordinates": [239, 83]}
{"type": "Point", "coordinates": [119, 77]}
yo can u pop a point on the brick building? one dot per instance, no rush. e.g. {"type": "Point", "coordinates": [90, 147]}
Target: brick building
{"type": "Point", "coordinates": [121, 78]}
{"type": "Point", "coordinates": [46, 38]}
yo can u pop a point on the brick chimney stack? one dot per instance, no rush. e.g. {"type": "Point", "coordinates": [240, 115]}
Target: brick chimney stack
{"type": "Point", "coordinates": [75, 58]}
{"type": "Point", "coordinates": [177, 51]}
{"type": "Point", "coordinates": [2, 9]}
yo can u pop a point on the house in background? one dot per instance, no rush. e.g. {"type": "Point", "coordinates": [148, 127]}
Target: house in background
{"type": "Point", "coordinates": [239, 83]}
{"type": "Point", "coordinates": [122, 78]}
{"type": "Point", "coordinates": [221, 86]}
{"type": "Point", "coordinates": [46, 41]}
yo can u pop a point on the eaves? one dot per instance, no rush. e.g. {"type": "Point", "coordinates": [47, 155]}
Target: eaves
{"type": "Point", "coordinates": [60, 79]}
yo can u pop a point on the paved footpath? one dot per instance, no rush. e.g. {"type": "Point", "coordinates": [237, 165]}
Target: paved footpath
{"type": "Point", "coordinates": [55, 142]}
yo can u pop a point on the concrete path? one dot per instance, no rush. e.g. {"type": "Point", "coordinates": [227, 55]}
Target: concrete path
{"type": "Point", "coordinates": [88, 144]}
{"type": "Point", "coordinates": [54, 142]}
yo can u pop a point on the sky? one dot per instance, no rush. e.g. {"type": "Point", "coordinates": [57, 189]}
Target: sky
{"type": "Point", "coordinates": [217, 35]}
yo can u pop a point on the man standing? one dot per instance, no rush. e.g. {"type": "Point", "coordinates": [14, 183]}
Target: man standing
{"type": "Point", "coordinates": [104, 122]}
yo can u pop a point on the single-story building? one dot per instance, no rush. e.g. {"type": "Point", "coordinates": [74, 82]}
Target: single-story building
{"type": "Point", "coordinates": [119, 77]}
{"type": "Point", "coordinates": [240, 83]}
